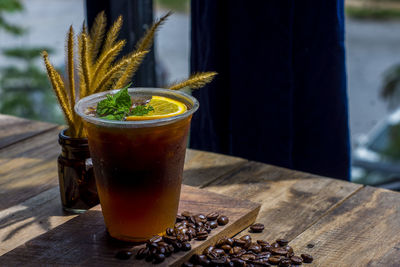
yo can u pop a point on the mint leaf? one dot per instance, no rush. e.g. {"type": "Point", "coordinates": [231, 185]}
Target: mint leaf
{"type": "Point", "coordinates": [115, 107]}
{"type": "Point", "coordinates": [122, 98]}
{"type": "Point", "coordinates": [141, 110]}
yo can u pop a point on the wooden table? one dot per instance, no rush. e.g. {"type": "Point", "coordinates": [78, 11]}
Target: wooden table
{"type": "Point", "coordinates": [339, 223]}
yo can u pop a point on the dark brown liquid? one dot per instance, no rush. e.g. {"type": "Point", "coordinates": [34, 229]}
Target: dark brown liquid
{"type": "Point", "coordinates": [138, 174]}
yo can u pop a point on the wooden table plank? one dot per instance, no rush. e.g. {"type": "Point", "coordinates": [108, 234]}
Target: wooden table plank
{"type": "Point", "coordinates": [15, 129]}
{"type": "Point", "coordinates": [83, 241]}
{"type": "Point", "coordinates": [28, 168]}
{"type": "Point", "coordinates": [363, 231]}
{"type": "Point", "coordinates": [31, 218]}
{"type": "Point", "coordinates": [291, 201]}
{"type": "Point", "coordinates": [202, 168]}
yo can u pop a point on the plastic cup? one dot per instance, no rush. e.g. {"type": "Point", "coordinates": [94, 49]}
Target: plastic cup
{"type": "Point", "coordinates": [138, 166]}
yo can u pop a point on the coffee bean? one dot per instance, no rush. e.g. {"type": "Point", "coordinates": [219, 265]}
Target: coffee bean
{"type": "Point", "coordinates": [257, 227]}
{"type": "Point", "coordinates": [310, 245]}
{"type": "Point", "coordinates": [169, 239]}
{"type": "Point", "coordinates": [152, 245]}
{"type": "Point", "coordinates": [202, 260]}
{"type": "Point", "coordinates": [180, 218]}
{"type": "Point", "coordinates": [186, 246]}
{"type": "Point", "coordinates": [123, 254]}
{"type": "Point", "coordinates": [226, 248]}
{"type": "Point", "coordinates": [282, 242]}
{"type": "Point", "coordinates": [307, 258]}
{"type": "Point", "coordinates": [279, 251]}
{"type": "Point", "coordinates": [285, 262]}
{"type": "Point", "coordinates": [186, 214]}
{"type": "Point", "coordinates": [262, 242]}
{"type": "Point", "coordinates": [142, 253]}
{"type": "Point", "coordinates": [264, 255]}
{"type": "Point", "coordinates": [177, 246]}
{"type": "Point", "coordinates": [155, 239]}
{"type": "Point", "coordinates": [161, 250]}
{"type": "Point", "coordinates": [296, 260]}
{"type": "Point", "coordinates": [246, 238]}
{"type": "Point", "coordinates": [239, 243]}
{"type": "Point", "coordinates": [212, 216]}
{"type": "Point", "coordinates": [255, 248]}
{"type": "Point", "coordinates": [158, 258]}
{"type": "Point", "coordinates": [275, 245]}
{"type": "Point", "coordinates": [213, 224]}
{"type": "Point", "coordinates": [208, 250]}
{"type": "Point", "coordinates": [222, 220]}
{"type": "Point", "coordinates": [202, 235]}
{"type": "Point", "coordinates": [170, 231]}
{"type": "Point", "coordinates": [238, 262]}
{"type": "Point", "coordinates": [247, 257]}
{"type": "Point", "coordinates": [219, 261]}
{"type": "Point", "coordinates": [187, 264]}
{"type": "Point", "coordinates": [274, 260]}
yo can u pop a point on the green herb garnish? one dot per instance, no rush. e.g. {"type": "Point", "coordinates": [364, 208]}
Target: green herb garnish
{"type": "Point", "coordinates": [118, 106]}
{"type": "Point", "coordinates": [141, 110]}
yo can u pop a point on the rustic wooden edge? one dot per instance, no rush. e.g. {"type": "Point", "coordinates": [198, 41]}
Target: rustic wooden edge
{"type": "Point", "coordinates": [42, 248]}
{"type": "Point", "coordinates": [14, 129]}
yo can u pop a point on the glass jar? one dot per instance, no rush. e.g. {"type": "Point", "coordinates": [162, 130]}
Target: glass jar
{"type": "Point", "coordinates": [75, 174]}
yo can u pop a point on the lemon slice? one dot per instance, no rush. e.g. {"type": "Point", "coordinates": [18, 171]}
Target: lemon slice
{"type": "Point", "coordinates": [164, 107]}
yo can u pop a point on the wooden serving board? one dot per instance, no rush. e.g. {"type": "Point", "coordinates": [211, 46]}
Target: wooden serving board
{"type": "Point", "coordinates": [83, 241]}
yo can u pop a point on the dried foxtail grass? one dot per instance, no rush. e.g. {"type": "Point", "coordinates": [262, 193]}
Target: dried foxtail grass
{"type": "Point", "coordinates": [147, 40]}
{"type": "Point", "coordinates": [97, 34]}
{"type": "Point", "coordinates": [195, 81]}
{"type": "Point", "coordinates": [98, 71]}
{"type": "Point", "coordinates": [70, 67]}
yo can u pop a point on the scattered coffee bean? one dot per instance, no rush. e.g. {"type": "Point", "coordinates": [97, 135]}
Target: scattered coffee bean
{"type": "Point", "coordinates": [186, 246]}
{"type": "Point", "coordinates": [310, 245]}
{"type": "Point", "coordinates": [274, 260]}
{"type": "Point", "coordinates": [257, 227]}
{"type": "Point", "coordinates": [212, 216]}
{"type": "Point", "coordinates": [187, 264]}
{"type": "Point", "coordinates": [307, 258]}
{"type": "Point", "coordinates": [222, 220]}
{"type": "Point", "coordinates": [186, 214]}
{"type": "Point", "coordinates": [296, 260]}
{"type": "Point", "coordinates": [155, 239]}
{"type": "Point", "coordinates": [142, 253]}
{"type": "Point", "coordinates": [282, 242]}
{"type": "Point", "coordinates": [158, 258]}
{"type": "Point", "coordinates": [202, 235]}
{"type": "Point", "coordinates": [123, 254]}
{"type": "Point", "coordinates": [279, 251]}
{"type": "Point", "coordinates": [284, 262]}
{"type": "Point", "coordinates": [213, 224]}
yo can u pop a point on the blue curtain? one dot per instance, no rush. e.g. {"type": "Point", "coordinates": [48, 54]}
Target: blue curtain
{"type": "Point", "coordinates": [280, 96]}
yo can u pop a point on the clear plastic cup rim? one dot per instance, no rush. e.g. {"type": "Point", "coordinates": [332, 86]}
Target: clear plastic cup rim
{"type": "Point", "coordinates": [82, 105]}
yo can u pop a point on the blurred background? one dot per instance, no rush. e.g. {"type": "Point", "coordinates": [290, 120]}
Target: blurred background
{"type": "Point", "coordinates": [373, 69]}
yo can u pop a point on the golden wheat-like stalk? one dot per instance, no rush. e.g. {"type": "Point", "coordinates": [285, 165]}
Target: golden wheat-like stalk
{"type": "Point", "coordinates": [136, 59]}
{"type": "Point", "coordinates": [59, 89]}
{"type": "Point", "coordinates": [147, 40]}
{"type": "Point", "coordinates": [112, 35]}
{"type": "Point", "coordinates": [103, 63]}
{"type": "Point", "coordinates": [124, 66]}
{"type": "Point", "coordinates": [70, 67]}
{"type": "Point", "coordinates": [97, 34]}
{"type": "Point", "coordinates": [196, 80]}
{"type": "Point", "coordinates": [85, 66]}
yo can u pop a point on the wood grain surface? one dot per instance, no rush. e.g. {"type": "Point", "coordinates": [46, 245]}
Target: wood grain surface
{"type": "Point", "coordinates": [291, 201]}
{"type": "Point", "coordinates": [363, 231]}
{"type": "Point", "coordinates": [28, 168]}
{"type": "Point", "coordinates": [15, 129]}
{"type": "Point", "coordinates": [83, 240]}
